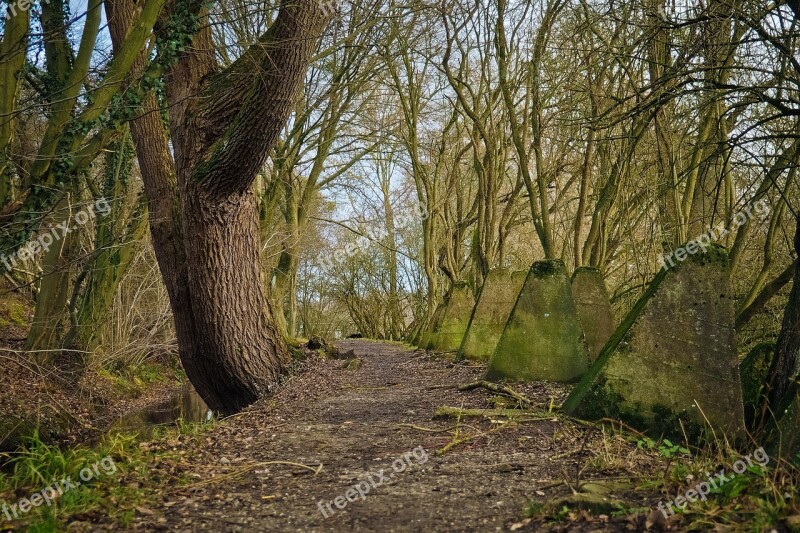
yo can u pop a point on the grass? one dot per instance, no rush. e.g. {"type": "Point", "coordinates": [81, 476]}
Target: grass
{"type": "Point", "coordinates": [758, 499]}
{"type": "Point", "coordinates": [115, 479]}
{"type": "Point", "coordinates": [65, 483]}
{"type": "Point", "coordinates": [762, 497]}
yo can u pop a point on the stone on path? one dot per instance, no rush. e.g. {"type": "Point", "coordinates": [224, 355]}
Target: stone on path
{"type": "Point", "coordinates": [543, 338]}
{"type": "Point", "coordinates": [448, 335]}
{"type": "Point", "coordinates": [673, 359]}
{"type": "Point", "coordinates": [495, 302]}
{"type": "Point", "coordinates": [593, 307]}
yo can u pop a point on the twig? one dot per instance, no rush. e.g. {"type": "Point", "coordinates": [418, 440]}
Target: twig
{"type": "Point", "coordinates": [457, 412]}
{"type": "Point", "coordinates": [241, 471]}
{"type": "Point", "coordinates": [423, 356]}
{"type": "Point", "coordinates": [429, 430]}
{"type": "Point", "coordinates": [494, 387]}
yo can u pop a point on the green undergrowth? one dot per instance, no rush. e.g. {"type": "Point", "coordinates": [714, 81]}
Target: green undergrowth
{"type": "Point", "coordinates": [43, 487]}
{"type": "Point", "coordinates": [134, 380]}
{"type": "Point", "coordinates": [759, 494]}
{"type": "Point", "coordinates": [754, 495]}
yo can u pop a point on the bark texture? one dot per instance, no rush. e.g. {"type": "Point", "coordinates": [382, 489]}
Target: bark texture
{"type": "Point", "coordinates": [782, 378]}
{"type": "Point", "coordinates": [203, 214]}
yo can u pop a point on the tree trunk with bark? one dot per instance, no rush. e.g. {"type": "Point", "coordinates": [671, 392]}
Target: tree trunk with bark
{"type": "Point", "coordinates": [782, 378]}
{"type": "Point", "coordinates": [203, 212]}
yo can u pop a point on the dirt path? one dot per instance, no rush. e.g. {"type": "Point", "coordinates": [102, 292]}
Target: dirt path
{"type": "Point", "coordinates": [357, 422]}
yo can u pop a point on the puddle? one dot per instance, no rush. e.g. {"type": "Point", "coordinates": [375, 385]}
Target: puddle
{"type": "Point", "coordinates": [186, 405]}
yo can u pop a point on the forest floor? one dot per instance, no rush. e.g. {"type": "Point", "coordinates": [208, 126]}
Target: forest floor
{"type": "Point", "coordinates": [70, 408]}
{"type": "Point", "coordinates": [282, 464]}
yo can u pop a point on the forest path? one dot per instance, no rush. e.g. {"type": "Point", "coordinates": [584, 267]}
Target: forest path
{"type": "Point", "coordinates": [356, 423]}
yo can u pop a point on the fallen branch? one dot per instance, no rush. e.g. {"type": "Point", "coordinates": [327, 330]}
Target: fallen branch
{"type": "Point", "coordinates": [240, 471]}
{"type": "Point", "coordinates": [429, 430]}
{"type": "Point", "coordinates": [459, 440]}
{"type": "Point", "coordinates": [498, 389]}
{"type": "Point", "coordinates": [457, 412]}
{"type": "Point", "coordinates": [438, 387]}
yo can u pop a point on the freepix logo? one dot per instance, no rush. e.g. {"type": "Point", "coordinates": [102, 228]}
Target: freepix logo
{"type": "Point", "coordinates": [21, 6]}
{"type": "Point", "coordinates": [52, 235]}
{"type": "Point", "coordinates": [373, 480]}
{"type": "Point", "coordinates": [719, 231]}
{"type": "Point", "coordinates": [701, 490]}
{"type": "Point", "coordinates": [53, 492]}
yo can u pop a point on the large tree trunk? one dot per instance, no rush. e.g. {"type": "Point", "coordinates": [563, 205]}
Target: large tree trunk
{"type": "Point", "coordinates": [203, 212]}
{"type": "Point", "coordinates": [238, 351]}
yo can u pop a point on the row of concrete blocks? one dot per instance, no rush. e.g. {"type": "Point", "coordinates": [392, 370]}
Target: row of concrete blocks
{"type": "Point", "coordinates": [669, 367]}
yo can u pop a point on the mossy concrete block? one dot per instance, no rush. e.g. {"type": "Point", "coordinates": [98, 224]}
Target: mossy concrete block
{"type": "Point", "coordinates": [489, 318]}
{"type": "Point", "coordinates": [593, 307]}
{"type": "Point", "coordinates": [543, 338]}
{"type": "Point", "coordinates": [673, 361]}
{"type": "Point", "coordinates": [754, 370]}
{"type": "Point", "coordinates": [458, 308]}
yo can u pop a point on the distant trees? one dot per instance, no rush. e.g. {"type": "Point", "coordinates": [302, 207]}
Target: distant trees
{"type": "Point", "coordinates": [57, 115]}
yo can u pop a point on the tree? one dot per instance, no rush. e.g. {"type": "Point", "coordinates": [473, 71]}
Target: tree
{"type": "Point", "coordinates": [44, 179]}
{"type": "Point", "coordinates": [203, 212]}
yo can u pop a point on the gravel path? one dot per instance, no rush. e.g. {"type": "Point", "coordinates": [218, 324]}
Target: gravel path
{"type": "Point", "coordinates": [372, 430]}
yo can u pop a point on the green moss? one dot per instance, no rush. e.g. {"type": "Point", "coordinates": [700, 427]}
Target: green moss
{"type": "Point", "coordinates": [543, 338]}
{"type": "Point", "coordinates": [666, 422]}
{"type": "Point", "coordinates": [547, 268]}
{"type": "Point", "coordinates": [715, 253]}
{"type": "Point", "coordinates": [600, 402]}
{"type": "Point", "coordinates": [17, 313]}
{"type": "Point", "coordinates": [133, 380]}
{"type": "Point", "coordinates": [585, 269]}
{"type": "Point", "coordinates": [13, 313]}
